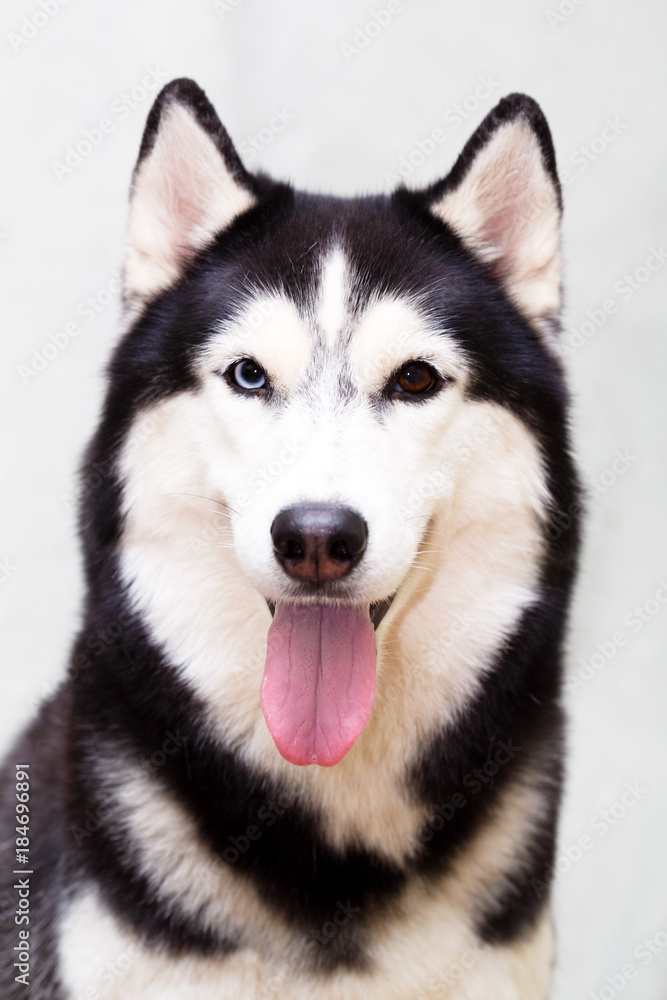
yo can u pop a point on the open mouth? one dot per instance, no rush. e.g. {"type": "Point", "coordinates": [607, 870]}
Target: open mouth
{"type": "Point", "coordinates": [376, 611]}
{"type": "Point", "coordinates": [318, 687]}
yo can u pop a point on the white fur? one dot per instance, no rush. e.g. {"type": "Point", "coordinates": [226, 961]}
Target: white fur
{"type": "Point", "coordinates": [506, 210]}
{"type": "Point", "coordinates": [332, 311]}
{"type": "Point", "coordinates": [269, 330]}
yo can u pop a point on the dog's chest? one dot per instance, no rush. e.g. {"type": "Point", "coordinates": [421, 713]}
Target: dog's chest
{"type": "Point", "coordinates": [415, 942]}
{"type": "Point", "coordinates": [427, 949]}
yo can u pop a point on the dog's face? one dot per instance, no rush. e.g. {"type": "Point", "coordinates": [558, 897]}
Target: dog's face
{"type": "Point", "coordinates": [325, 420]}
{"type": "Point", "coordinates": [337, 379]}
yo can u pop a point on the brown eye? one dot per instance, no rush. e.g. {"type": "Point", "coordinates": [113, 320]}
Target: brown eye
{"type": "Point", "coordinates": [416, 378]}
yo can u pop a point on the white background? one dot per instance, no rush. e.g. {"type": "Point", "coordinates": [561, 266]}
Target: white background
{"type": "Point", "coordinates": [356, 114]}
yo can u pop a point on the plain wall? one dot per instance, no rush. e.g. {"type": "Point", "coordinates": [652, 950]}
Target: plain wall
{"type": "Point", "coordinates": [353, 117]}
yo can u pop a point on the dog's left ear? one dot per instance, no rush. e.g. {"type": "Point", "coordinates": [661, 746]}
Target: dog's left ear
{"type": "Point", "coordinates": [188, 185]}
{"type": "Point", "coordinates": [503, 199]}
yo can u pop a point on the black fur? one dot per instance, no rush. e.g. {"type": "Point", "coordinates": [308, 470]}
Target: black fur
{"type": "Point", "coordinates": [122, 696]}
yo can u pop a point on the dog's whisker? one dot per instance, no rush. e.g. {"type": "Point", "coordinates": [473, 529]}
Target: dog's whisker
{"type": "Point", "coordinates": [198, 496]}
{"type": "Point", "coordinates": [418, 565]}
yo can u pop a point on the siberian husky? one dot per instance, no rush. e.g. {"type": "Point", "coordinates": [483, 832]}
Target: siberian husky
{"type": "Point", "coordinates": [310, 741]}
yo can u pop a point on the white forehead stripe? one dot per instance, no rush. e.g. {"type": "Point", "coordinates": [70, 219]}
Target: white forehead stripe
{"type": "Point", "coordinates": [331, 310]}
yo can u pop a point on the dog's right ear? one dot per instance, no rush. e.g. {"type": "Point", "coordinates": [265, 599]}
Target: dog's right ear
{"type": "Point", "coordinates": [188, 185]}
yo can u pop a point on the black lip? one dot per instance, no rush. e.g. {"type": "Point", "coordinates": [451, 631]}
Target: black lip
{"type": "Point", "coordinates": [377, 611]}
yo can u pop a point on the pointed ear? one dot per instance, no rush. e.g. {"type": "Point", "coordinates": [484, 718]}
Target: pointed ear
{"type": "Point", "coordinates": [188, 185]}
{"type": "Point", "coordinates": [503, 199]}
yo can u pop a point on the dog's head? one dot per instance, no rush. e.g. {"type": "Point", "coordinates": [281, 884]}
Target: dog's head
{"type": "Point", "coordinates": [345, 383]}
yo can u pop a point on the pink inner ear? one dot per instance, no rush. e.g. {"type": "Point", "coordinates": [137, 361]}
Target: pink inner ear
{"type": "Point", "coordinates": [184, 194]}
{"type": "Point", "coordinates": [501, 233]}
{"type": "Point", "coordinates": [508, 206]}
{"type": "Point", "coordinates": [187, 194]}
{"type": "Point", "coordinates": [506, 209]}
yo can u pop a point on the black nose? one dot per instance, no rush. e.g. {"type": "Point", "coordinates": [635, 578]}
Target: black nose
{"type": "Point", "coordinates": [318, 541]}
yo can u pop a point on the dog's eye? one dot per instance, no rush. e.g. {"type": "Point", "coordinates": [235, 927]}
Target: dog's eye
{"type": "Point", "coordinates": [416, 378]}
{"type": "Point", "coordinates": [246, 374]}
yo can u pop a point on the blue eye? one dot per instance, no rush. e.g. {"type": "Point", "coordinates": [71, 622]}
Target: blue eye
{"type": "Point", "coordinates": [247, 374]}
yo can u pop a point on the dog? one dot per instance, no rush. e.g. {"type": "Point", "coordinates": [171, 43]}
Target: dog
{"type": "Point", "coordinates": [310, 744]}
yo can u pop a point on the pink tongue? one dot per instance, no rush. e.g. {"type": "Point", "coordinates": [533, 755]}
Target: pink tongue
{"type": "Point", "coordinates": [319, 681]}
